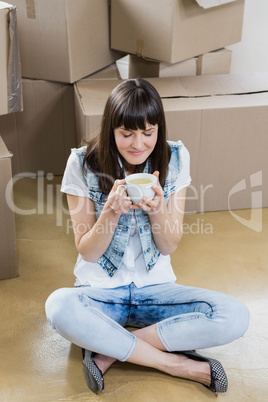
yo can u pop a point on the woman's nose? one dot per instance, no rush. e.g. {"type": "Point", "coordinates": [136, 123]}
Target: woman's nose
{"type": "Point", "coordinates": [137, 142]}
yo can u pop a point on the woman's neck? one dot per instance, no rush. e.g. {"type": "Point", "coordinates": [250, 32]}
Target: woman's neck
{"type": "Point", "coordinates": [130, 170]}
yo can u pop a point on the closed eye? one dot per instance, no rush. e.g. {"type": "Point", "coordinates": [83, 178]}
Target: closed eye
{"type": "Point", "coordinates": [127, 136]}
{"type": "Point", "coordinates": [148, 133]}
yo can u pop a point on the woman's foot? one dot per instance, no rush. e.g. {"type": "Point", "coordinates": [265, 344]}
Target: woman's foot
{"type": "Point", "coordinates": [181, 366]}
{"type": "Point", "coordinates": [103, 362]}
{"type": "Point", "coordinates": [93, 374]}
{"type": "Point", "coordinates": [177, 365]}
{"type": "Point", "coordinates": [188, 364]}
{"type": "Point", "coordinates": [218, 377]}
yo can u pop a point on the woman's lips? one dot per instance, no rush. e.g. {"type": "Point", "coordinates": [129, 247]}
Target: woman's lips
{"type": "Point", "coordinates": [136, 153]}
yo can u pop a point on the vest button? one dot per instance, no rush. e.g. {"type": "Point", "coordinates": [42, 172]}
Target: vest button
{"type": "Point", "coordinates": [148, 250]}
{"type": "Point", "coordinates": [146, 226]}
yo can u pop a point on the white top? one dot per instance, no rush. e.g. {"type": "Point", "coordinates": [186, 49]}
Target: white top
{"type": "Point", "coordinates": [132, 267]}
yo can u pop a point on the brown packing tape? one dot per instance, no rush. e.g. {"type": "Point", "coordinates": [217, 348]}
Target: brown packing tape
{"type": "Point", "coordinates": [14, 89]}
{"type": "Point", "coordinates": [199, 65]}
{"type": "Point", "coordinates": [30, 7]}
{"type": "Point", "coordinates": [140, 47]}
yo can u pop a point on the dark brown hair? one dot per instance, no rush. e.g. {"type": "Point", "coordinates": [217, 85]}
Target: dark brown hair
{"type": "Point", "coordinates": [131, 104]}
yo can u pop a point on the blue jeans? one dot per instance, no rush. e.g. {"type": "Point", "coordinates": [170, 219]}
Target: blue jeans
{"type": "Point", "coordinates": [186, 318]}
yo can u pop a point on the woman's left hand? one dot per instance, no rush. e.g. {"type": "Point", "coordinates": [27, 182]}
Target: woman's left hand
{"type": "Point", "coordinates": [153, 205]}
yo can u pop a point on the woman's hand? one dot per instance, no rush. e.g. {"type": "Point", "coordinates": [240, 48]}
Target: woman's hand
{"type": "Point", "coordinates": [153, 205]}
{"type": "Point", "coordinates": [166, 219]}
{"type": "Point", "coordinates": [117, 199]}
{"type": "Point", "coordinates": [93, 235]}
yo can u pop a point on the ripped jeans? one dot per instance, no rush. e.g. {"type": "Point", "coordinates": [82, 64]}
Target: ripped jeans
{"type": "Point", "coordinates": [186, 318]}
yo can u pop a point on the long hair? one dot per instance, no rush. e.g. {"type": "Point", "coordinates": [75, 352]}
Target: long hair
{"type": "Point", "coordinates": [131, 104]}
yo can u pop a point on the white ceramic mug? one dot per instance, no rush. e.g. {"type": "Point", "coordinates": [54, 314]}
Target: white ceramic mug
{"type": "Point", "coordinates": [139, 185]}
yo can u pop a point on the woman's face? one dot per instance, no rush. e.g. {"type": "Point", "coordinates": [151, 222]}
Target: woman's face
{"type": "Point", "coordinates": [136, 145]}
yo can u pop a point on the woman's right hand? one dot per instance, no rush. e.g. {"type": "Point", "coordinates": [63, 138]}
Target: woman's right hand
{"type": "Point", "coordinates": [118, 200]}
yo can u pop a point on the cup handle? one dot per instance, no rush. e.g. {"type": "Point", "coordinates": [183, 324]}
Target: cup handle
{"type": "Point", "coordinates": [125, 187]}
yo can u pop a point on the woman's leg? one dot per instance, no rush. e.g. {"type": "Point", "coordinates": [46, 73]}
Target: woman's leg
{"type": "Point", "coordinates": [176, 365]}
{"type": "Point", "coordinates": [203, 319]}
{"type": "Point", "coordinates": [89, 323]}
{"type": "Point", "coordinates": [150, 352]}
{"type": "Point", "coordinates": [188, 318]}
{"type": "Point", "coordinates": [74, 316]}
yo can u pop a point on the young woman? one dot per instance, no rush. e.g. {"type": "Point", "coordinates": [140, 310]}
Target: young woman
{"type": "Point", "coordinates": [123, 272]}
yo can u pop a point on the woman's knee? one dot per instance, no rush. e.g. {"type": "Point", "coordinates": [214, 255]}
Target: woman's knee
{"type": "Point", "coordinates": [56, 304]}
{"type": "Point", "coordinates": [242, 316]}
{"type": "Point", "coordinates": [236, 320]}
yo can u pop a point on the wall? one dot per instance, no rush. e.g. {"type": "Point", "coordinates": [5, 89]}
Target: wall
{"type": "Point", "coordinates": [251, 54]}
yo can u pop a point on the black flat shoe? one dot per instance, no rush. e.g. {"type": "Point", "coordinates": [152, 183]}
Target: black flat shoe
{"type": "Point", "coordinates": [93, 374]}
{"type": "Point", "coordinates": [219, 381]}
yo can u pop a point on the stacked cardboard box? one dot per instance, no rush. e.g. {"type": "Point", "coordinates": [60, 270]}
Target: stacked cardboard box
{"type": "Point", "coordinates": [42, 135]}
{"type": "Point", "coordinates": [177, 38]}
{"type": "Point", "coordinates": [60, 42]}
{"type": "Point", "coordinates": [216, 62]}
{"type": "Point", "coordinates": [63, 40]}
{"type": "Point", "coordinates": [175, 30]}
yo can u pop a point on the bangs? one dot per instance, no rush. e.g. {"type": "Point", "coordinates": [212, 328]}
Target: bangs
{"type": "Point", "coordinates": [136, 111]}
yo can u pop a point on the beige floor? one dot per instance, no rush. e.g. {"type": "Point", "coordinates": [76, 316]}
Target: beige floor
{"type": "Point", "coordinates": [216, 252]}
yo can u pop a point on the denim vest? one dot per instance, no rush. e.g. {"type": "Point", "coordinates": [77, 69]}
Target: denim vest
{"type": "Point", "coordinates": [111, 259]}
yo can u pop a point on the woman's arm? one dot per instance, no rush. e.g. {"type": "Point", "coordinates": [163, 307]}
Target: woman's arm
{"type": "Point", "coordinates": [92, 237]}
{"type": "Point", "coordinates": [166, 219]}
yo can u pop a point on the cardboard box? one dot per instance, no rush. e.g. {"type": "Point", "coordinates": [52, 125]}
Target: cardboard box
{"type": "Point", "coordinates": [175, 30]}
{"type": "Point", "coordinates": [63, 40]}
{"type": "Point", "coordinates": [217, 62]}
{"type": "Point", "coordinates": [10, 74]}
{"type": "Point", "coordinates": [221, 119]}
{"type": "Point", "coordinates": [110, 72]}
{"type": "Point", "coordinates": [8, 249]}
{"type": "Point", "coordinates": [41, 136]}
{"type": "Point", "coordinates": [131, 66]}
